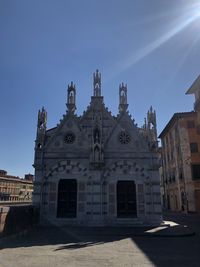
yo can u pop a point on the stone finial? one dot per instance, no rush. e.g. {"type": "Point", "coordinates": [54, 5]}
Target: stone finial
{"type": "Point", "coordinates": [97, 83]}
{"type": "Point", "coordinates": [123, 97]}
{"type": "Point", "coordinates": [71, 97]}
{"type": "Point", "coordinates": [152, 128]}
{"type": "Point", "coordinates": [151, 117]}
{"type": "Point", "coordinates": [41, 128]}
{"type": "Point", "coordinates": [42, 118]}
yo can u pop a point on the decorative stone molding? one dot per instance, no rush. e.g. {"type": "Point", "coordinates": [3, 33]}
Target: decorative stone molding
{"type": "Point", "coordinates": [68, 166]}
{"type": "Point", "coordinates": [127, 167]}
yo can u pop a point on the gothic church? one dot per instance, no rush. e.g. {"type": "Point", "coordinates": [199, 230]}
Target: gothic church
{"type": "Point", "coordinates": [97, 169]}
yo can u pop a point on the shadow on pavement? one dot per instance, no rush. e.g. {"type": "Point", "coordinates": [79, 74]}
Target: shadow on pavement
{"type": "Point", "coordinates": [78, 245]}
{"type": "Point", "coordinates": [190, 219]}
{"type": "Point", "coordinates": [177, 251]}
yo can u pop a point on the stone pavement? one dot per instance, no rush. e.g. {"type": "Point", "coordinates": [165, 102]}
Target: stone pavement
{"type": "Point", "coordinates": [174, 245]}
{"type": "Point", "coordinates": [192, 220]}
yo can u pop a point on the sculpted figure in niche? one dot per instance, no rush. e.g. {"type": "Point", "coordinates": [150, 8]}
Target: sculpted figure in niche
{"type": "Point", "coordinates": [71, 98]}
{"type": "Point", "coordinates": [42, 118]}
{"type": "Point", "coordinates": [96, 154]}
{"type": "Point", "coordinates": [123, 97]}
{"type": "Point", "coordinates": [96, 136]}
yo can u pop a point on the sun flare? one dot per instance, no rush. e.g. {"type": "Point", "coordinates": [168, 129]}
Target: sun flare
{"type": "Point", "coordinates": [185, 18]}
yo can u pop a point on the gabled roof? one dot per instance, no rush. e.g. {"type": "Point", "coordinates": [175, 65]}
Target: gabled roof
{"type": "Point", "coordinates": [175, 117]}
{"type": "Point", "coordinates": [51, 129]}
{"type": "Point", "coordinates": [194, 87]}
{"type": "Point", "coordinates": [55, 130]}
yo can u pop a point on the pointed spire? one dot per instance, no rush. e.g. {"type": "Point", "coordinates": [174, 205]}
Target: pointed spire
{"type": "Point", "coordinates": [145, 124]}
{"type": "Point", "coordinates": [42, 118]}
{"type": "Point", "coordinates": [123, 97]}
{"type": "Point", "coordinates": [152, 128]}
{"type": "Point", "coordinates": [97, 83]}
{"type": "Point", "coordinates": [71, 97]}
{"type": "Point", "coordinates": [41, 128]}
{"type": "Point", "coordinates": [151, 117]}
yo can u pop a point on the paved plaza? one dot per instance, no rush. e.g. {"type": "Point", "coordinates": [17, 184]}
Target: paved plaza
{"type": "Point", "coordinates": [54, 247]}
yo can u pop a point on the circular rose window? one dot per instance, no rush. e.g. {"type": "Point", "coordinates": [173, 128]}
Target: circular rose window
{"type": "Point", "coordinates": [70, 138]}
{"type": "Point", "coordinates": [124, 138]}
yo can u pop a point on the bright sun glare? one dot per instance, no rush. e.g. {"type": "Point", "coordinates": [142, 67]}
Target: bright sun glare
{"type": "Point", "coordinates": [196, 9]}
{"type": "Point", "coordinates": [185, 18]}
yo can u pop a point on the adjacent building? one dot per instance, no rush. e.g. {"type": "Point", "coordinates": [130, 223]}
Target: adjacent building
{"type": "Point", "coordinates": [181, 161]}
{"type": "Point", "coordinates": [15, 189]}
{"type": "Point", "coordinates": [97, 169]}
{"type": "Point", "coordinates": [181, 158]}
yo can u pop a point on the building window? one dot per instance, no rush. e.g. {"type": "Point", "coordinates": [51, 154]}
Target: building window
{"type": "Point", "coordinates": [198, 129]}
{"type": "Point", "coordinates": [196, 171]}
{"type": "Point", "coordinates": [176, 131]}
{"type": "Point", "coordinates": [190, 124]}
{"type": "Point", "coordinates": [172, 155]}
{"type": "Point", "coordinates": [170, 137]}
{"type": "Point", "coordinates": [180, 174]}
{"type": "Point", "coordinates": [193, 147]}
{"type": "Point", "coordinates": [173, 178]}
{"type": "Point", "coordinates": [168, 159]}
{"type": "Point", "coordinates": [178, 149]}
{"type": "Point", "coordinates": [163, 143]}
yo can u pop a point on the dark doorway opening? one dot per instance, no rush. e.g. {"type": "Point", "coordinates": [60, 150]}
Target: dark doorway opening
{"type": "Point", "coordinates": [67, 198]}
{"type": "Point", "coordinates": [126, 199]}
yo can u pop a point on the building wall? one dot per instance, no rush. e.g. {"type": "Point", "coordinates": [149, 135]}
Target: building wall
{"type": "Point", "coordinates": [100, 150]}
{"type": "Point", "coordinates": [11, 221]}
{"type": "Point", "coordinates": [14, 189]}
{"type": "Point", "coordinates": [97, 196]}
{"type": "Point", "coordinates": [181, 190]}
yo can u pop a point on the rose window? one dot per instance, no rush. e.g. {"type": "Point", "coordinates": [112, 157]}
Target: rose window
{"type": "Point", "coordinates": [124, 138]}
{"type": "Point", "coordinates": [70, 138]}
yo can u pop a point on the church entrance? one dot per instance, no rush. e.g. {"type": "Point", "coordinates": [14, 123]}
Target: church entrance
{"type": "Point", "coordinates": [67, 198]}
{"type": "Point", "coordinates": [126, 199]}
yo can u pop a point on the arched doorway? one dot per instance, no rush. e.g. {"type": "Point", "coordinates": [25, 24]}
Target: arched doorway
{"type": "Point", "coordinates": [67, 198]}
{"type": "Point", "coordinates": [126, 199]}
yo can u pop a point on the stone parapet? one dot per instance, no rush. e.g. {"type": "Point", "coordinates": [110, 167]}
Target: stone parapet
{"type": "Point", "coordinates": [15, 219]}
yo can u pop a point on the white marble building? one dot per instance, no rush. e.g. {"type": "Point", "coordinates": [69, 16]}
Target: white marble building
{"type": "Point", "coordinates": [97, 169]}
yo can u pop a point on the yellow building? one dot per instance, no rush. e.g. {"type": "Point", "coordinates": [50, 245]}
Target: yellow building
{"type": "Point", "coordinates": [181, 158]}
{"type": "Point", "coordinates": [181, 162]}
{"type": "Point", "coordinates": [195, 89]}
{"type": "Point", "coordinates": [15, 189]}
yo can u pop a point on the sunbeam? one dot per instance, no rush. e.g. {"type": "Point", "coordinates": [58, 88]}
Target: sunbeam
{"type": "Point", "coordinates": [192, 15]}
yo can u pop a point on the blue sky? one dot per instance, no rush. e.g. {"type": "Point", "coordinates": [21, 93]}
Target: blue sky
{"type": "Point", "coordinates": [153, 46]}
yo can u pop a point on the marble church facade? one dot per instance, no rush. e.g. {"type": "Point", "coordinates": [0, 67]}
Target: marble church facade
{"type": "Point", "coordinates": [97, 169]}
